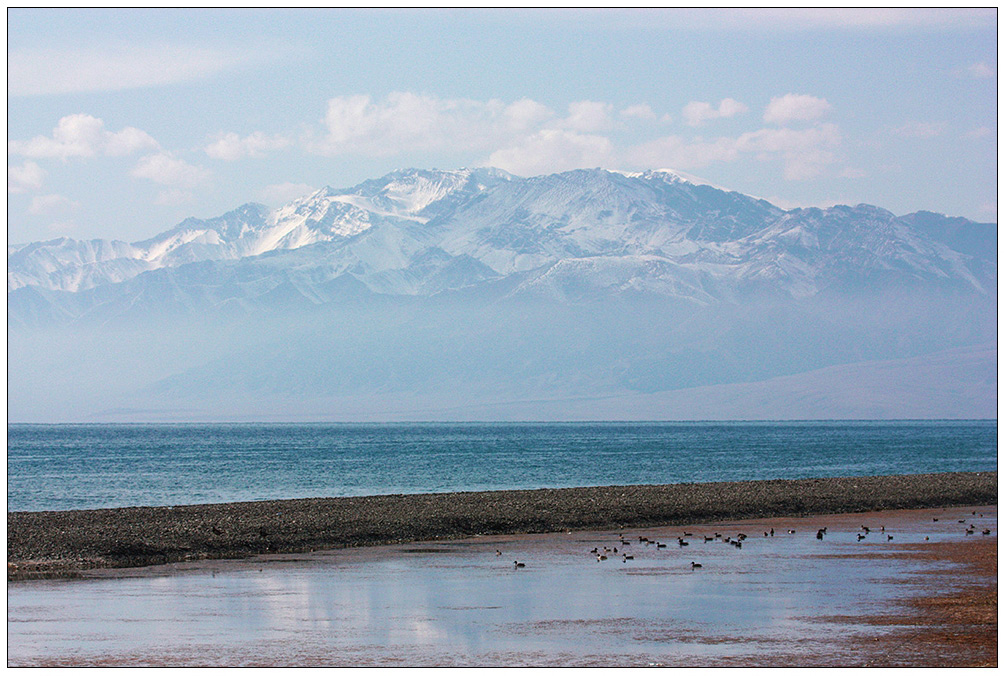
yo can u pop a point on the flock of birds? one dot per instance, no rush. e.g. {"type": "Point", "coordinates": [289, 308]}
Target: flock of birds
{"type": "Point", "coordinates": [604, 553]}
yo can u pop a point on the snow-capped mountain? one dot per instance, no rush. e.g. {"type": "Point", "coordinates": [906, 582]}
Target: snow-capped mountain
{"type": "Point", "coordinates": [573, 235]}
{"type": "Point", "coordinates": [474, 294]}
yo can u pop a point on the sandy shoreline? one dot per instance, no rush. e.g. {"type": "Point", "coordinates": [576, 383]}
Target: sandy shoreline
{"type": "Point", "coordinates": [61, 544]}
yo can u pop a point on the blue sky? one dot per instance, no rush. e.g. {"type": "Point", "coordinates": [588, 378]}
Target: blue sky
{"type": "Point", "coordinates": [121, 123]}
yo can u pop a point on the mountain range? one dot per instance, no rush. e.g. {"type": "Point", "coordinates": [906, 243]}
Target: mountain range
{"type": "Point", "coordinates": [558, 287]}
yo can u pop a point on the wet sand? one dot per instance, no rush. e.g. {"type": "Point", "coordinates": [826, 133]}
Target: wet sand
{"type": "Point", "coordinates": [64, 544]}
{"type": "Point", "coordinates": [915, 590]}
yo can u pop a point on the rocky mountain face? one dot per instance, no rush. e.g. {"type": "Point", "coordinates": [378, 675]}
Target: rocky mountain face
{"type": "Point", "coordinates": [469, 293]}
{"type": "Point", "coordinates": [571, 236]}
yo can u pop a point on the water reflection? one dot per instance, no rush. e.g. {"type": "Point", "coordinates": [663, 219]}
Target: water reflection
{"type": "Point", "coordinates": [460, 603]}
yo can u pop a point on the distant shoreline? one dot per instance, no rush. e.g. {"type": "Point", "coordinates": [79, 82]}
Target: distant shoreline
{"type": "Point", "coordinates": [64, 543]}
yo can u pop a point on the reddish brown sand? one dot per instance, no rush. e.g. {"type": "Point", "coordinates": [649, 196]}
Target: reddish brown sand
{"type": "Point", "coordinates": [954, 621]}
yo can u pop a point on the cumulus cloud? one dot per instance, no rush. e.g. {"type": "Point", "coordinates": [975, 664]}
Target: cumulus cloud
{"type": "Point", "coordinates": [697, 113]}
{"type": "Point", "coordinates": [168, 170]}
{"type": "Point", "coordinates": [28, 176]}
{"type": "Point", "coordinates": [795, 108]}
{"type": "Point", "coordinates": [588, 116]}
{"type": "Point", "coordinates": [528, 138]}
{"type": "Point", "coordinates": [641, 111]}
{"type": "Point", "coordinates": [282, 193]}
{"type": "Point", "coordinates": [232, 147]}
{"type": "Point", "coordinates": [83, 135]}
{"type": "Point", "coordinates": [52, 205]}
{"type": "Point", "coordinates": [405, 122]}
{"type": "Point", "coordinates": [921, 129]}
{"type": "Point", "coordinates": [804, 153]}
{"type": "Point", "coordinates": [552, 150]}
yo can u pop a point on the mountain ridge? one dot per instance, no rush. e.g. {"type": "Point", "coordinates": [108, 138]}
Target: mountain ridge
{"type": "Point", "coordinates": [575, 235]}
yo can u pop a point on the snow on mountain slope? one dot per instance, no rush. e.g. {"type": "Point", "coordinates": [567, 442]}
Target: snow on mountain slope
{"type": "Point", "coordinates": [251, 230]}
{"type": "Point", "coordinates": [573, 235]}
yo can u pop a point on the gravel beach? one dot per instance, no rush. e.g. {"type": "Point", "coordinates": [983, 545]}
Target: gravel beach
{"type": "Point", "coordinates": [64, 543]}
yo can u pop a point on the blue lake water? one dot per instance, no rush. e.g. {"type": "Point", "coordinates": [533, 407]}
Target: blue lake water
{"type": "Point", "coordinates": [57, 467]}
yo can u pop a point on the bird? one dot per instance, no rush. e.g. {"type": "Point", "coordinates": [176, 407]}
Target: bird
{"type": "Point", "coordinates": [517, 564]}
{"type": "Point", "coordinates": [628, 557]}
{"type": "Point", "coordinates": [498, 552]}
{"type": "Point", "coordinates": [695, 565]}
{"type": "Point", "coordinates": [888, 537]}
{"type": "Point", "coordinates": [819, 534]}
{"type": "Point", "coordinates": [860, 537]}
{"type": "Point", "coordinates": [986, 531]}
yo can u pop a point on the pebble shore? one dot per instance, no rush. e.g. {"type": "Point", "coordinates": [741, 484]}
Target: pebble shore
{"type": "Point", "coordinates": [65, 543]}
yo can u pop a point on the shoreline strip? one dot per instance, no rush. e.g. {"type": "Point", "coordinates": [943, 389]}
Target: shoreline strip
{"type": "Point", "coordinates": [61, 544]}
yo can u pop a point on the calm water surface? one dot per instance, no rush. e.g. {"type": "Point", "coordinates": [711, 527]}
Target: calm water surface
{"type": "Point", "coordinates": [458, 603]}
{"type": "Point", "coordinates": [56, 467]}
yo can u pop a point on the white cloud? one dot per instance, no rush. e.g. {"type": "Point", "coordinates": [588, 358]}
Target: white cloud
{"type": "Point", "coordinates": [526, 115]}
{"type": "Point", "coordinates": [232, 147]}
{"type": "Point", "coordinates": [641, 111]}
{"type": "Point", "coordinates": [406, 122]}
{"type": "Point", "coordinates": [38, 71]}
{"type": "Point", "coordinates": [83, 135]}
{"type": "Point", "coordinates": [282, 193]}
{"type": "Point", "coordinates": [795, 107]}
{"type": "Point", "coordinates": [920, 129]}
{"type": "Point", "coordinates": [28, 176]}
{"type": "Point", "coordinates": [696, 113]}
{"type": "Point", "coordinates": [553, 150]}
{"type": "Point", "coordinates": [169, 170]}
{"type": "Point", "coordinates": [588, 116]}
{"type": "Point", "coordinates": [527, 138]}
{"type": "Point", "coordinates": [52, 205]}
{"type": "Point", "coordinates": [804, 153]}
